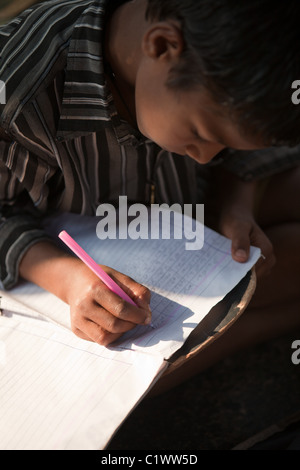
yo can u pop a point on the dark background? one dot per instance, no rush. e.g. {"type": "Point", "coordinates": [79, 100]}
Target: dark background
{"type": "Point", "coordinates": [254, 392]}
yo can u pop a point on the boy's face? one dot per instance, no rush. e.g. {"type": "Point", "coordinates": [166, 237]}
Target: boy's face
{"type": "Point", "coordinates": [182, 122]}
{"type": "Point", "coordinates": [186, 123]}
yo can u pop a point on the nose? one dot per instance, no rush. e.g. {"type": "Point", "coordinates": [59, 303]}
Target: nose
{"type": "Point", "coordinates": [205, 153]}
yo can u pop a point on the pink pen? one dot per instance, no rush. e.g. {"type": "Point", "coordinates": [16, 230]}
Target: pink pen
{"type": "Point", "coordinates": [108, 281]}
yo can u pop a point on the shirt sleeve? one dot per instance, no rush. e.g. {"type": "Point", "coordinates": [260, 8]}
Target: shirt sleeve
{"type": "Point", "coordinates": [258, 164]}
{"type": "Point", "coordinates": [20, 221]}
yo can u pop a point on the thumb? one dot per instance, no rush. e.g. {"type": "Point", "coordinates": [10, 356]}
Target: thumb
{"type": "Point", "coordinates": [240, 249]}
{"type": "Point", "coordinates": [239, 233]}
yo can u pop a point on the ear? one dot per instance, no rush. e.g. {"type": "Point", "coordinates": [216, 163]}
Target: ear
{"type": "Point", "coordinates": [163, 41]}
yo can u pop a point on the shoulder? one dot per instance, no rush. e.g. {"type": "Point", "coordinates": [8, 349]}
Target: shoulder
{"type": "Point", "coordinates": [33, 47]}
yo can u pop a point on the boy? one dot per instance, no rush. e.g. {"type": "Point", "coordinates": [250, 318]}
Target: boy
{"type": "Point", "coordinates": [111, 98]}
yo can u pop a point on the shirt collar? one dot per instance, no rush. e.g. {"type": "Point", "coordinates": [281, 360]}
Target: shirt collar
{"type": "Point", "coordinates": [87, 103]}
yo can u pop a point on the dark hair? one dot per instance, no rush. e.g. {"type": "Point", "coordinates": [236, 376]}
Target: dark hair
{"type": "Point", "coordinates": [246, 53]}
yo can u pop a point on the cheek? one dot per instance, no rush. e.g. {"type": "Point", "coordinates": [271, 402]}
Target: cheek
{"type": "Point", "coordinates": [157, 117]}
{"type": "Point", "coordinates": [150, 104]}
{"type": "Point", "coordinates": [147, 112]}
{"type": "Point", "coordinates": [155, 123]}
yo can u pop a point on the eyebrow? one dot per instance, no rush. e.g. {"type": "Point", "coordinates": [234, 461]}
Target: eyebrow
{"type": "Point", "coordinates": [212, 138]}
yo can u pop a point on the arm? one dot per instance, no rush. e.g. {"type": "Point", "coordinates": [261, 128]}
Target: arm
{"type": "Point", "coordinates": [25, 249]}
{"type": "Point", "coordinates": [97, 314]}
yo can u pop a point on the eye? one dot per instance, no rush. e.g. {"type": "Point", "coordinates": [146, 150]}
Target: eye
{"type": "Point", "coordinates": [196, 134]}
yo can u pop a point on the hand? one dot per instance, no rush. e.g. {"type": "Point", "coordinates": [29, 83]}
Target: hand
{"type": "Point", "coordinates": [243, 230]}
{"type": "Point", "coordinates": [99, 315]}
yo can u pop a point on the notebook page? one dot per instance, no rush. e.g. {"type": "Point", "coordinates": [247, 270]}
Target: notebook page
{"type": "Point", "coordinates": [60, 392]}
{"type": "Point", "coordinates": [182, 296]}
{"type": "Point", "coordinates": [185, 285]}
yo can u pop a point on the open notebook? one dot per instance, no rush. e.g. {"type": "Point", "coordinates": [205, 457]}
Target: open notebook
{"type": "Point", "coordinates": [60, 392]}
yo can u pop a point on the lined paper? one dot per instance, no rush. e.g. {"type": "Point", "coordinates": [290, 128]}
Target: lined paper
{"type": "Point", "coordinates": [60, 392]}
{"type": "Point", "coordinates": [185, 285]}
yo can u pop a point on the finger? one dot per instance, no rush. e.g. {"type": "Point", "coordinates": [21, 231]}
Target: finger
{"type": "Point", "coordinates": [240, 246]}
{"type": "Point", "coordinates": [268, 258]}
{"type": "Point", "coordinates": [139, 293]}
{"type": "Point", "coordinates": [119, 308]}
{"type": "Point", "coordinates": [123, 310]}
{"type": "Point", "coordinates": [238, 231]}
{"type": "Point", "coordinates": [95, 313]}
{"type": "Point", "coordinates": [109, 322]}
{"type": "Point", "coordinates": [265, 265]}
{"type": "Point", "coordinates": [97, 325]}
{"type": "Point", "coordinates": [95, 334]}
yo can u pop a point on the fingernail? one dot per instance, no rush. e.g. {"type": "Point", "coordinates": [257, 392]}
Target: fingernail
{"type": "Point", "coordinates": [242, 254]}
{"type": "Point", "coordinates": [148, 319]}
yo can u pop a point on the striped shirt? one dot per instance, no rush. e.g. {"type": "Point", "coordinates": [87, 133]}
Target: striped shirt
{"type": "Point", "coordinates": [65, 147]}
{"type": "Point", "coordinates": [69, 149]}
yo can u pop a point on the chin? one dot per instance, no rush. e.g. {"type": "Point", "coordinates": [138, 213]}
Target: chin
{"type": "Point", "coordinates": [146, 133]}
{"type": "Point", "coordinates": [142, 128]}
{"type": "Point", "coordinates": [166, 148]}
